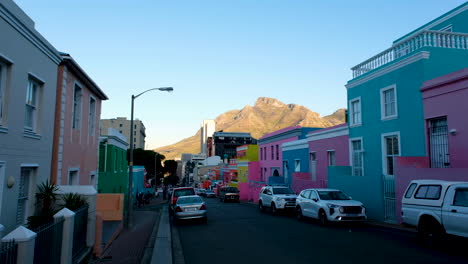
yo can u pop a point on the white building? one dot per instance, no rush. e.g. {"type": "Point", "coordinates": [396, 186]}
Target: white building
{"type": "Point", "coordinates": [207, 130]}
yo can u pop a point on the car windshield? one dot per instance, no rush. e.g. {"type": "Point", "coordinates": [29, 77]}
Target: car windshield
{"type": "Point", "coordinates": [209, 191]}
{"type": "Point", "coordinates": [333, 195]}
{"type": "Point", "coordinates": [201, 190]}
{"type": "Point", "coordinates": [189, 200]}
{"type": "Point", "coordinates": [282, 191]}
{"type": "Point", "coordinates": [232, 190]}
{"type": "Point", "coordinates": [184, 192]}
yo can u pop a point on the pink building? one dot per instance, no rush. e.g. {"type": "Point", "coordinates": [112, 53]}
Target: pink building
{"type": "Point", "coordinates": [76, 128]}
{"type": "Point", "coordinates": [445, 108]}
{"type": "Point", "coordinates": [270, 154]}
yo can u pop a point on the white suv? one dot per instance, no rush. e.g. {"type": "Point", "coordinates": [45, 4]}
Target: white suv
{"type": "Point", "coordinates": [276, 198]}
{"type": "Point", "coordinates": [329, 205]}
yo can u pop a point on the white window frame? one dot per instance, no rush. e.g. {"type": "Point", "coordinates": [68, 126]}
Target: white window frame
{"type": "Point", "coordinates": [34, 103]}
{"type": "Point", "coordinates": [70, 180]}
{"type": "Point", "coordinates": [351, 112]}
{"type": "Point", "coordinates": [384, 149]}
{"type": "Point", "coordinates": [351, 154]}
{"type": "Point", "coordinates": [297, 165]}
{"type": "Point", "coordinates": [77, 115]}
{"type": "Point", "coordinates": [3, 84]}
{"type": "Point", "coordinates": [382, 103]}
{"type": "Point", "coordinates": [334, 157]}
{"type": "Point", "coordinates": [92, 116]}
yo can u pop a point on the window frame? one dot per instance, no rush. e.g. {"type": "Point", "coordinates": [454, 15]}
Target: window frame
{"type": "Point", "coordinates": [77, 107]}
{"type": "Point", "coordinates": [297, 165]}
{"type": "Point", "coordinates": [428, 185]}
{"type": "Point", "coordinates": [455, 195]}
{"type": "Point", "coordinates": [70, 179]}
{"type": "Point", "coordinates": [383, 115]}
{"type": "Point", "coordinates": [410, 191]}
{"type": "Point", "coordinates": [385, 155]}
{"type": "Point", "coordinates": [329, 157]}
{"type": "Point", "coordinates": [3, 87]}
{"type": "Point", "coordinates": [35, 105]}
{"type": "Point", "coordinates": [92, 116]}
{"type": "Point", "coordinates": [352, 123]}
{"type": "Point", "coordinates": [29, 200]}
{"type": "Point", "coordinates": [351, 152]}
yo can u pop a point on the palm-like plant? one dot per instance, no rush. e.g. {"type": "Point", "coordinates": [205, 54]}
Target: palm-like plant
{"type": "Point", "coordinates": [45, 201]}
{"type": "Point", "coordinates": [74, 201]}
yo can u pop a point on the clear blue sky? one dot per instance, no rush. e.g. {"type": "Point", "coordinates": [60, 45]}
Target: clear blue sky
{"type": "Point", "coordinates": [221, 55]}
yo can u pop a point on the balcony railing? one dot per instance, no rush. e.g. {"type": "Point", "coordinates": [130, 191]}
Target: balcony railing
{"type": "Point", "coordinates": [428, 38]}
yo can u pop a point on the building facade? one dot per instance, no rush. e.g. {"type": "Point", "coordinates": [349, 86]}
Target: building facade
{"type": "Point", "coordinates": [122, 125]}
{"type": "Point", "coordinates": [28, 83]}
{"type": "Point", "coordinates": [76, 133]}
{"type": "Point", "coordinates": [225, 143]}
{"type": "Point", "coordinates": [208, 127]}
{"type": "Point", "coordinates": [385, 108]}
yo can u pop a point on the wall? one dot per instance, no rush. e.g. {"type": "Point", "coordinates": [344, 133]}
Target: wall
{"type": "Point", "coordinates": [110, 206]}
{"type": "Point", "coordinates": [446, 96]}
{"type": "Point", "coordinates": [292, 155]}
{"type": "Point", "coordinates": [25, 52]}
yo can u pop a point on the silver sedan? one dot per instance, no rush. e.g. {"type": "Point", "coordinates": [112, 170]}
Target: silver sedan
{"type": "Point", "coordinates": [190, 207]}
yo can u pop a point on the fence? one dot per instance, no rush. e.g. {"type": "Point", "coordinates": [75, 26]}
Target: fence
{"type": "Point", "coordinates": [389, 198]}
{"type": "Point", "coordinates": [8, 252]}
{"type": "Point", "coordinates": [79, 231]}
{"type": "Point", "coordinates": [48, 245]}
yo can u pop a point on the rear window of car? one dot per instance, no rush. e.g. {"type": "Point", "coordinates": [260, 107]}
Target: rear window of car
{"type": "Point", "coordinates": [410, 190]}
{"type": "Point", "coordinates": [461, 197]}
{"type": "Point", "coordinates": [231, 189]}
{"type": "Point", "coordinates": [429, 192]}
{"type": "Point", "coordinates": [184, 192]}
{"type": "Point", "coordinates": [189, 200]}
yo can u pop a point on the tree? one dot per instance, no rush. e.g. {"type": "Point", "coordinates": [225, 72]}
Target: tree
{"type": "Point", "coordinates": [149, 159]}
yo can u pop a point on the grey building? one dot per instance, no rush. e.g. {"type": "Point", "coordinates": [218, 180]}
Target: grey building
{"type": "Point", "coordinates": [122, 125]}
{"type": "Point", "coordinates": [28, 84]}
{"type": "Point", "coordinates": [225, 143]}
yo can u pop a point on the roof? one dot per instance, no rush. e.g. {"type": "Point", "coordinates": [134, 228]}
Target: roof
{"type": "Point", "coordinates": [81, 74]}
{"type": "Point", "coordinates": [441, 182]}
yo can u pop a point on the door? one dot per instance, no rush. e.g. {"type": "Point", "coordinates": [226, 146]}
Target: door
{"type": "Point", "coordinates": [455, 211]}
{"type": "Point", "coordinates": [285, 171]}
{"type": "Point", "coordinates": [304, 203]}
{"type": "Point", "coordinates": [391, 147]}
{"type": "Point", "coordinates": [313, 165]}
{"type": "Point", "coordinates": [438, 142]}
{"type": "Point", "coordinates": [314, 205]}
{"type": "Point", "coordinates": [267, 197]}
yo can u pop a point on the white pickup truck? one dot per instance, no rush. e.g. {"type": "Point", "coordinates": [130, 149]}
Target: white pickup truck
{"type": "Point", "coordinates": [436, 208]}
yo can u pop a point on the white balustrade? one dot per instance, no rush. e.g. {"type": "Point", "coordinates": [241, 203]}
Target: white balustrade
{"type": "Point", "coordinates": [428, 38]}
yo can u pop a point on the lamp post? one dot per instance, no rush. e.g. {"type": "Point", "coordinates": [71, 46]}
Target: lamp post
{"type": "Point", "coordinates": [128, 213]}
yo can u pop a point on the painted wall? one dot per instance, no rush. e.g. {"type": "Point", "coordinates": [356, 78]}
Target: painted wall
{"type": "Point", "coordinates": [113, 169]}
{"type": "Point", "coordinates": [446, 96]}
{"type": "Point", "coordinates": [25, 54]}
{"type": "Point", "coordinates": [80, 147]}
{"type": "Point", "coordinates": [298, 154]}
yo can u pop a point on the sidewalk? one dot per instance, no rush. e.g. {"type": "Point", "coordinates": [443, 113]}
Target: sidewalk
{"type": "Point", "coordinates": [130, 245]}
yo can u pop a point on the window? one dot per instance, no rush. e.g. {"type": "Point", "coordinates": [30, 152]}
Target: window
{"type": "Point", "coordinates": [92, 179]}
{"type": "Point", "coordinates": [77, 97]}
{"type": "Point", "coordinates": [313, 165]}
{"type": "Point", "coordinates": [120, 125]}
{"type": "Point", "coordinates": [331, 158]}
{"type": "Point", "coordinates": [272, 153]}
{"type": "Point", "coordinates": [355, 112]}
{"type": "Point", "coordinates": [277, 152]}
{"type": "Point", "coordinates": [261, 174]}
{"type": "Point", "coordinates": [388, 102]}
{"type": "Point", "coordinates": [3, 70]}
{"type": "Point", "coordinates": [439, 142]}
{"type": "Point", "coordinates": [261, 153]}
{"type": "Point", "coordinates": [264, 174]}
{"type": "Point", "coordinates": [92, 115]}
{"type": "Point", "coordinates": [24, 188]}
{"type": "Point", "coordinates": [297, 165]}
{"type": "Point", "coordinates": [120, 131]}
{"type": "Point", "coordinates": [391, 150]}
{"type": "Point", "coordinates": [305, 194]}
{"type": "Point", "coordinates": [357, 157]}
{"type": "Point", "coordinates": [461, 198]}
{"type": "Point", "coordinates": [73, 177]}
{"type": "Point", "coordinates": [313, 195]}
{"type": "Point", "coordinates": [32, 107]}
{"type": "Point", "coordinates": [2, 180]}
{"type": "Point", "coordinates": [410, 190]}
{"type": "Point", "coordinates": [430, 192]}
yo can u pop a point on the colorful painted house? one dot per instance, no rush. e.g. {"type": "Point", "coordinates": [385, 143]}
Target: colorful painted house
{"type": "Point", "coordinates": [385, 108]}
{"type": "Point", "coordinates": [270, 154]}
{"type": "Point", "coordinates": [446, 130]}
{"type": "Point", "coordinates": [245, 155]}
{"type": "Point", "coordinates": [307, 160]}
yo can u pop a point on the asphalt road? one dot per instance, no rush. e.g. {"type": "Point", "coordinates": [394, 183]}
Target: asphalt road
{"type": "Point", "coordinates": [239, 233]}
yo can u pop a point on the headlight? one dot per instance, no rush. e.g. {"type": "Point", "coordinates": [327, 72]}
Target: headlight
{"type": "Point", "coordinates": [332, 206]}
{"type": "Point", "coordinates": [363, 210]}
{"type": "Point", "coordinates": [278, 199]}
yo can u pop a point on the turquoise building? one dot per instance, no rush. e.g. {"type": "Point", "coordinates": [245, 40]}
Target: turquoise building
{"type": "Point", "coordinates": [385, 108]}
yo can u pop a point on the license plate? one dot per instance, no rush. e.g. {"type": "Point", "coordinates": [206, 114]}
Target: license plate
{"type": "Point", "coordinates": [190, 209]}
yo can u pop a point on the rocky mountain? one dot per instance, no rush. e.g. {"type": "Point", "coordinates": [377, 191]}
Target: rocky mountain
{"type": "Point", "coordinates": [267, 115]}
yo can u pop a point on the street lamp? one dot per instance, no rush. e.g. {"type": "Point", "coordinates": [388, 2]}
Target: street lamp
{"type": "Point", "coordinates": [128, 213]}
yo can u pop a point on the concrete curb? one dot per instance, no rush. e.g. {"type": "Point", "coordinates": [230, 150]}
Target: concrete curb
{"type": "Point", "coordinates": [147, 254]}
{"type": "Point", "coordinates": [162, 251]}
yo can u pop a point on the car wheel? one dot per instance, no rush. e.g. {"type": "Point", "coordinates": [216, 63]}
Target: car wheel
{"type": "Point", "coordinates": [274, 211]}
{"type": "Point", "coordinates": [261, 207]}
{"type": "Point", "coordinates": [299, 214]}
{"type": "Point", "coordinates": [323, 218]}
{"type": "Point", "coordinates": [430, 232]}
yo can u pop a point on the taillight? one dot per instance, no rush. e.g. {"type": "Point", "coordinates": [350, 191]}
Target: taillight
{"type": "Point", "coordinates": [203, 207]}
{"type": "Point", "coordinates": [174, 200]}
{"type": "Point", "coordinates": [178, 209]}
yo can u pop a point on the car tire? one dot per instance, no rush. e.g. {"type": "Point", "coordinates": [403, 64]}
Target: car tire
{"type": "Point", "coordinates": [299, 214]}
{"type": "Point", "coordinates": [274, 211]}
{"type": "Point", "coordinates": [261, 207]}
{"type": "Point", "coordinates": [323, 218]}
{"type": "Point", "coordinates": [430, 232]}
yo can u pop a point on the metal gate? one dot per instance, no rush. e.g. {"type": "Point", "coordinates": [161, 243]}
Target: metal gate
{"type": "Point", "coordinates": [389, 198]}
{"type": "Point", "coordinates": [438, 143]}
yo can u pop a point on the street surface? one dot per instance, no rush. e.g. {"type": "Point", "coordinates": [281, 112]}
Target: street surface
{"type": "Point", "coordinates": [239, 233]}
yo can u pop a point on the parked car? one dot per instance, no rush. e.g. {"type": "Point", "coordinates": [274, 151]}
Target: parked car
{"type": "Point", "coordinates": [190, 207]}
{"type": "Point", "coordinates": [210, 194]}
{"type": "Point", "coordinates": [436, 208]}
{"type": "Point", "coordinates": [201, 192]}
{"type": "Point", "coordinates": [179, 192]}
{"type": "Point", "coordinates": [276, 198]}
{"type": "Point", "coordinates": [329, 205]}
{"type": "Point", "coordinates": [229, 194]}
